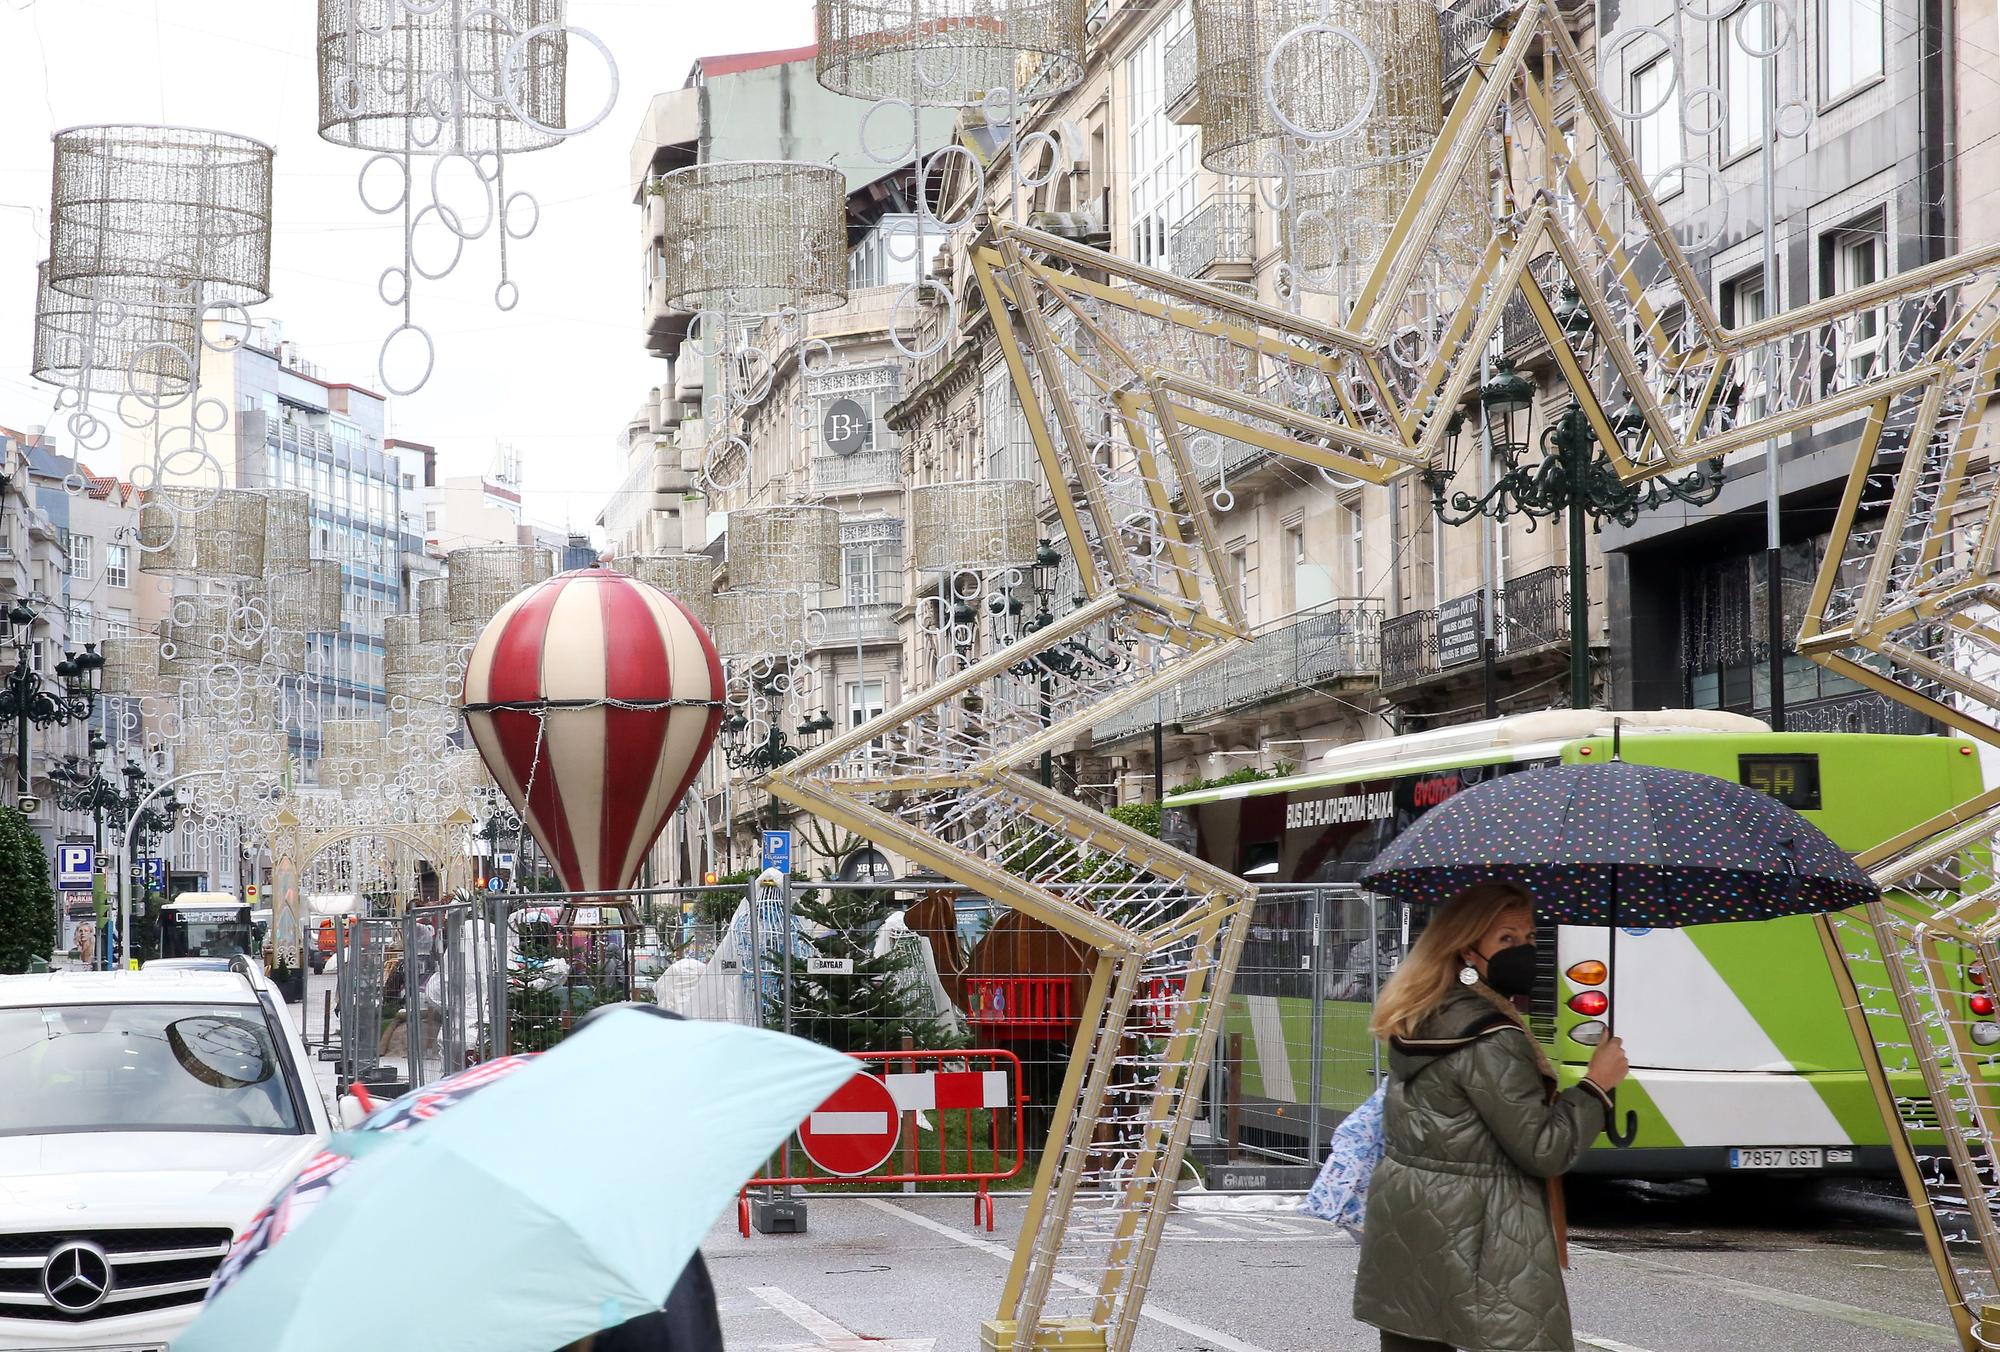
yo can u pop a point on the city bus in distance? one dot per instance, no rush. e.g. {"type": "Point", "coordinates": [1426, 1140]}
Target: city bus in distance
{"type": "Point", "coordinates": [206, 925]}
{"type": "Point", "coordinates": [1742, 1054]}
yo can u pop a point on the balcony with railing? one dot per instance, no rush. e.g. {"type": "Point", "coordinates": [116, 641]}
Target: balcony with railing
{"type": "Point", "coordinates": [1183, 88]}
{"type": "Point", "coordinates": [1521, 336]}
{"type": "Point", "coordinates": [849, 626]}
{"type": "Point", "coordinates": [1531, 617]}
{"type": "Point", "coordinates": [1217, 239]}
{"type": "Point", "coordinates": [853, 473]}
{"type": "Point", "coordinates": [1335, 646]}
{"type": "Point", "coordinates": [1465, 25]}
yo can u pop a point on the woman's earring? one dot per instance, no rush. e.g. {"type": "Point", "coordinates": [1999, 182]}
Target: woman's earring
{"type": "Point", "coordinates": [1468, 975]}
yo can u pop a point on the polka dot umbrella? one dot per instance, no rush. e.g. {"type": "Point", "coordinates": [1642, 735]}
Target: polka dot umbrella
{"type": "Point", "coordinates": [1623, 845]}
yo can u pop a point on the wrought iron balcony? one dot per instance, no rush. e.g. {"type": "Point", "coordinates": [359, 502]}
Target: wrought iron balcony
{"type": "Point", "coordinates": [1338, 643]}
{"type": "Point", "coordinates": [1220, 234]}
{"type": "Point", "coordinates": [1534, 611]}
{"type": "Point", "coordinates": [1409, 649]}
{"type": "Point", "coordinates": [1521, 337]}
{"type": "Point", "coordinates": [851, 473]}
{"type": "Point", "coordinates": [1182, 86]}
{"type": "Point", "coordinates": [845, 626]}
{"type": "Point", "coordinates": [1465, 25]}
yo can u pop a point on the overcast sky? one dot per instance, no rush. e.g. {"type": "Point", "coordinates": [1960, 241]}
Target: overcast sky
{"type": "Point", "coordinates": [558, 376]}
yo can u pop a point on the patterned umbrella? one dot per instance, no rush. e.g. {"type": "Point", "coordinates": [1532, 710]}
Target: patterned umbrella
{"type": "Point", "coordinates": [1620, 844]}
{"type": "Point", "coordinates": [1624, 844]}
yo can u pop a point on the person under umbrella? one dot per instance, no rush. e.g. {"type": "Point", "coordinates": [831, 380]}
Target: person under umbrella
{"type": "Point", "coordinates": [1463, 1241]}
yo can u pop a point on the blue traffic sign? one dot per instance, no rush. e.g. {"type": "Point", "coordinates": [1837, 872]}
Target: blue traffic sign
{"type": "Point", "coordinates": [778, 850]}
{"type": "Point", "coordinates": [495, 883]}
{"type": "Point", "coordinates": [74, 865]}
{"type": "Point", "coordinates": [151, 872]}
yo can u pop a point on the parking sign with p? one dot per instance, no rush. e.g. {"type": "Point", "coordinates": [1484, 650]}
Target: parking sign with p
{"type": "Point", "coordinates": [74, 865]}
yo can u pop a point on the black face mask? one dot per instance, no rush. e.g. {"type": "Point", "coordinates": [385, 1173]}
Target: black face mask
{"type": "Point", "coordinates": [1511, 971]}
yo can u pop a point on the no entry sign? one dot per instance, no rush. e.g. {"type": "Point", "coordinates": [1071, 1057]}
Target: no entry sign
{"type": "Point", "coordinates": [855, 1130]}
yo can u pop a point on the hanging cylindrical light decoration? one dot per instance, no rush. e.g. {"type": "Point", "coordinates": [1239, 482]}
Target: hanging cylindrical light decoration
{"type": "Point", "coordinates": [792, 548]}
{"type": "Point", "coordinates": [190, 531]}
{"type": "Point", "coordinates": [287, 529]}
{"type": "Point", "coordinates": [1308, 86]}
{"type": "Point", "coordinates": [160, 216]}
{"type": "Point", "coordinates": [350, 751]}
{"type": "Point", "coordinates": [434, 609]}
{"type": "Point", "coordinates": [203, 631]}
{"type": "Point", "coordinates": [305, 599]}
{"type": "Point", "coordinates": [688, 577]}
{"type": "Point", "coordinates": [950, 53]}
{"type": "Point", "coordinates": [755, 237]}
{"type": "Point", "coordinates": [114, 347]}
{"type": "Point", "coordinates": [982, 524]}
{"type": "Point", "coordinates": [485, 578]}
{"type": "Point", "coordinates": [760, 624]}
{"type": "Point", "coordinates": [131, 665]}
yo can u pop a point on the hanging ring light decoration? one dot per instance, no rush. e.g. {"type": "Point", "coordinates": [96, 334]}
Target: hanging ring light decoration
{"type": "Point", "coordinates": [456, 89]}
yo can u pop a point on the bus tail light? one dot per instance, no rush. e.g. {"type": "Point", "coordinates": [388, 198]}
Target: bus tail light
{"type": "Point", "coordinates": [1982, 1005]}
{"type": "Point", "coordinates": [1985, 1034]}
{"type": "Point", "coordinates": [1977, 974]}
{"type": "Point", "coordinates": [1589, 1034]}
{"type": "Point", "coordinates": [1590, 1004]}
{"type": "Point", "coordinates": [1589, 972]}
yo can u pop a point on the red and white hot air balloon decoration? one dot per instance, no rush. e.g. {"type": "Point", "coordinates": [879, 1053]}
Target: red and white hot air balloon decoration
{"type": "Point", "coordinates": [593, 698]}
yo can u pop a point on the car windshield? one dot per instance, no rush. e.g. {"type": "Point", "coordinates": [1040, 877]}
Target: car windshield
{"type": "Point", "coordinates": [171, 1067]}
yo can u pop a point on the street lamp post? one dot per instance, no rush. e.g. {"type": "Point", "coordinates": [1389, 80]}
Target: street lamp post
{"type": "Point", "coordinates": [81, 787]}
{"type": "Point", "coordinates": [139, 816]}
{"type": "Point", "coordinates": [1574, 479]}
{"type": "Point", "coordinates": [26, 698]}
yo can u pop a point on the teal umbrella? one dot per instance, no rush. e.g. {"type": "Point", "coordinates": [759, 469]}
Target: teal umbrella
{"type": "Point", "coordinates": [562, 1199]}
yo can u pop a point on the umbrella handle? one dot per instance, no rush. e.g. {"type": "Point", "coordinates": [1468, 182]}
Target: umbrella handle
{"type": "Point", "coordinates": [1620, 1135]}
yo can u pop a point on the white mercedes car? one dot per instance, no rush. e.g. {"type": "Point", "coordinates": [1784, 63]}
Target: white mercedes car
{"type": "Point", "coordinates": [145, 1118]}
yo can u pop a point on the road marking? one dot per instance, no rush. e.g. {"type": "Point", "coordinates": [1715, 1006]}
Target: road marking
{"type": "Point", "coordinates": [832, 1335]}
{"type": "Point", "coordinates": [1794, 1300]}
{"type": "Point", "coordinates": [1606, 1344]}
{"type": "Point", "coordinates": [1215, 1339]}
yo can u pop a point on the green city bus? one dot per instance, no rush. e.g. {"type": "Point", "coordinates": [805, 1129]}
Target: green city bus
{"type": "Point", "coordinates": [1742, 1054]}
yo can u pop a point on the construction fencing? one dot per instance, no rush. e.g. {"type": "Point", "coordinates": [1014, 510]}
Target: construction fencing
{"type": "Point", "coordinates": [874, 968]}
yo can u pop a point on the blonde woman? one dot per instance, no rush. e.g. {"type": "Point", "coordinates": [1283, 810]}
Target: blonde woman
{"type": "Point", "coordinates": [1463, 1246]}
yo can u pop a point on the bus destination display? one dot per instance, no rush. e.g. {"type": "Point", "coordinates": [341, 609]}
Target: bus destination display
{"type": "Point", "coordinates": [1792, 780]}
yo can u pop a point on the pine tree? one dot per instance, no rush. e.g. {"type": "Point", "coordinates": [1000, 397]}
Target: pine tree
{"type": "Point", "coordinates": [27, 896]}
{"type": "Point", "coordinates": [871, 1009]}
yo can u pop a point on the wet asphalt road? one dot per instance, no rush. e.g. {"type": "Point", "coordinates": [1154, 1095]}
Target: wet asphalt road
{"type": "Point", "coordinates": [1785, 1267]}
{"type": "Point", "coordinates": [1655, 1268]}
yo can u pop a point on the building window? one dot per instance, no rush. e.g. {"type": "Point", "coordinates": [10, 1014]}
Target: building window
{"type": "Point", "coordinates": [117, 565]}
{"type": "Point", "coordinates": [1656, 134]}
{"type": "Point", "coordinates": [1353, 547]}
{"type": "Point", "coordinates": [1294, 560]}
{"type": "Point", "coordinates": [79, 557]}
{"type": "Point", "coordinates": [1851, 43]}
{"type": "Point", "coordinates": [866, 700]}
{"type": "Point", "coordinates": [1858, 258]}
{"type": "Point", "coordinates": [1164, 156]}
{"type": "Point", "coordinates": [1746, 77]}
{"type": "Point", "coordinates": [430, 520]}
{"type": "Point", "coordinates": [1742, 306]}
{"type": "Point", "coordinates": [82, 623]}
{"type": "Point", "coordinates": [873, 572]}
{"type": "Point", "coordinates": [1010, 449]}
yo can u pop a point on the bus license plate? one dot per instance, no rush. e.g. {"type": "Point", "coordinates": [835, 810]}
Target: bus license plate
{"type": "Point", "coordinates": [1777, 1157]}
